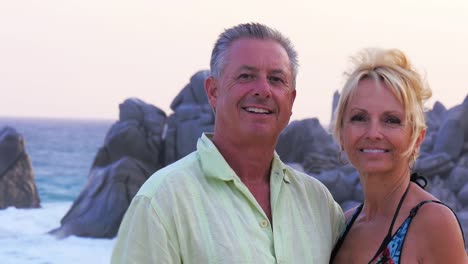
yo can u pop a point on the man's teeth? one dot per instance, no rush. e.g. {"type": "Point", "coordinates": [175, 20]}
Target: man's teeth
{"type": "Point", "coordinates": [257, 110]}
{"type": "Point", "coordinates": [373, 150]}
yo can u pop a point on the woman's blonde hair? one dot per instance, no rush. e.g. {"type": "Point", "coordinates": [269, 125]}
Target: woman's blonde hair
{"type": "Point", "coordinates": [394, 69]}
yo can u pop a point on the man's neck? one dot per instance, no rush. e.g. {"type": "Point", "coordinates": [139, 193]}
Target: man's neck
{"type": "Point", "coordinates": [251, 161]}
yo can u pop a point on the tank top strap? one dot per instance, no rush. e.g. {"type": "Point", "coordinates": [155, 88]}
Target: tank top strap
{"type": "Point", "coordinates": [388, 237]}
{"type": "Point", "coordinates": [420, 180]}
{"type": "Point", "coordinates": [345, 232]}
{"type": "Point", "coordinates": [415, 209]}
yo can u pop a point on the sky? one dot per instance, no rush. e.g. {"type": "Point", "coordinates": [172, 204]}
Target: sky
{"type": "Point", "coordinates": [82, 58]}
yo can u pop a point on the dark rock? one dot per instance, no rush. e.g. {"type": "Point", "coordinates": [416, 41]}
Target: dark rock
{"type": "Point", "coordinates": [463, 218]}
{"type": "Point", "coordinates": [358, 193]}
{"type": "Point", "coordinates": [193, 93]}
{"type": "Point", "coordinates": [131, 153]}
{"type": "Point", "coordinates": [328, 178]}
{"type": "Point", "coordinates": [428, 144]}
{"type": "Point", "coordinates": [17, 184]}
{"type": "Point", "coordinates": [344, 187]}
{"type": "Point", "coordinates": [457, 178]}
{"type": "Point", "coordinates": [463, 161]}
{"type": "Point", "coordinates": [453, 131]}
{"type": "Point", "coordinates": [450, 139]}
{"type": "Point", "coordinates": [434, 116]}
{"type": "Point", "coordinates": [436, 164]}
{"type": "Point", "coordinates": [465, 147]}
{"type": "Point", "coordinates": [100, 207]}
{"type": "Point", "coordinates": [192, 116]}
{"type": "Point", "coordinates": [315, 162]}
{"type": "Point", "coordinates": [139, 137]}
{"type": "Point", "coordinates": [463, 194]}
{"type": "Point", "coordinates": [12, 146]}
{"type": "Point", "coordinates": [438, 187]}
{"type": "Point", "coordinates": [307, 142]}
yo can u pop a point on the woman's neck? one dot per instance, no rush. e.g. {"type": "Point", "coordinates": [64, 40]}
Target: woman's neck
{"type": "Point", "coordinates": [383, 192]}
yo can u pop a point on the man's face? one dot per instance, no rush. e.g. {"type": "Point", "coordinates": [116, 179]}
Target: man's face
{"type": "Point", "coordinates": [253, 97]}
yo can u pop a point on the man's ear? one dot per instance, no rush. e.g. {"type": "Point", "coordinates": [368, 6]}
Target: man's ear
{"type": "Point", "coordinates": [211, 89]}
{"type": "Point", "coordinates": [293, 96]}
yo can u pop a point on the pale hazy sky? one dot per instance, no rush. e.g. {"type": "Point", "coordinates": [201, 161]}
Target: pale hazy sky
{"type": "Point", "coordinates": [81, 58]}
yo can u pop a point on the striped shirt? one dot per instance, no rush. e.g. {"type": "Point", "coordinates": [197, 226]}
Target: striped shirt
{"type": "Point", "coordinates": [197, 210]}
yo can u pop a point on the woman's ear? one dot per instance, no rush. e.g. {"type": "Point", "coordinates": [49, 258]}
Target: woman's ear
{"type": "Point", "coordinates": [420, 138]}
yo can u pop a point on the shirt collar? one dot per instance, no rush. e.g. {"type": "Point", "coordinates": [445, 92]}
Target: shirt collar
{"type": "Point", "coordinates": [215, 166]}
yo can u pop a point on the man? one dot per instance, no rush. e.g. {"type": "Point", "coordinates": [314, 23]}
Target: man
{"type": "Point", "coordinates": [233, 200]}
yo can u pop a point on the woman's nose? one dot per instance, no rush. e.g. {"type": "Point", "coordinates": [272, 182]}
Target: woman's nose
{"type": "Point", "coordinates": [374, 131]}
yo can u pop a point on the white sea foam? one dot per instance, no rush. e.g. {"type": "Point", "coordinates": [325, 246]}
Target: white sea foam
{"type": "Point", "coordinates": [24, 239]}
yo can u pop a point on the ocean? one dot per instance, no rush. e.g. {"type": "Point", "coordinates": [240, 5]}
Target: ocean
{"type": "Point", "coordinates": [62, 152]}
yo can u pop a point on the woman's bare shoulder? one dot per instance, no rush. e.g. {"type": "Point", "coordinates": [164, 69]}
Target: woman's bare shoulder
{"type": "Point", "coordinates": [438, 234]}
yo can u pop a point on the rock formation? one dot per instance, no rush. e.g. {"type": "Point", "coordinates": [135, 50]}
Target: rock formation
{"type": "Point", "coordinates": [17, 185]}
{"type": "Point", "coordinates": [192, 116]}
{"type": "Point", "coordinates": [131, 153]}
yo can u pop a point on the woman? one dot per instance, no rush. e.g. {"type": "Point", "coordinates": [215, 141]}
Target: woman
{"type": "Point", "coordinates": [379, 124]}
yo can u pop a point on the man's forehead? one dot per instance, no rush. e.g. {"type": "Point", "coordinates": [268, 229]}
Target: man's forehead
{"type": "Point", "coordinates": [256, 69]}
{"type": "Point", "coordinates": [253, 45]}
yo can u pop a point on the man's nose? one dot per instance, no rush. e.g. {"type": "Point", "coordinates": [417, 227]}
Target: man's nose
{"type": "Point", "coordinates": [263, 88]}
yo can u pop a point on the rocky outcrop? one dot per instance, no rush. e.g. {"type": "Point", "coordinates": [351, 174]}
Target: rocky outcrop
{"type": "Point", "coordinates": [17, 185]}
{"type": "Point", "coordinates": [130, 154]}
{"type": "Point", "coordinates": [99, 209]}
{"type": "Point", "coordinates": [192, 116]}
{"type": "Point", "coordinates": [306, 142]}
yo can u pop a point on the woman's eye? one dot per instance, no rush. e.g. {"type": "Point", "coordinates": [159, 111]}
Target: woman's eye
{"type": "Point", "coordinates": [358, 118]}
{"type": "Point", "coordinates": [393, 120]}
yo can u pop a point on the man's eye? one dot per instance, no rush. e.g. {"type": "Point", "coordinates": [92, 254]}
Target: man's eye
{"type": "Point", "coordinates": [274, 79]}
{"type": "Point", "coordinates": [246, 76]}
{"type": "Point", "coordinates": [358, 118]}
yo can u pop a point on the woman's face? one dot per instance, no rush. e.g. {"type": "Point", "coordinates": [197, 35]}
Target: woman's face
{"type": "Point", "coordinates": [375, 133]}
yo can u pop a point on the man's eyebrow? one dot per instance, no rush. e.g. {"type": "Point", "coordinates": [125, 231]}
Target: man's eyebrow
{"type": "Point", "coordinates": [276, 71]}
{"type": "Point", "coordinates": [254, 69]}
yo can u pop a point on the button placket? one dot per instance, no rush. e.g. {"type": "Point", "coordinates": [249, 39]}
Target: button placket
{"type": "Point", "coordinates": [263, 223]}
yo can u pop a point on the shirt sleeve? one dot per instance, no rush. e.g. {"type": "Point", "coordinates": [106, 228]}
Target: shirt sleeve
{"type": "Point", "coordinates": [338, 219]}
{"type": "Point", "coordinates": [143, 236]}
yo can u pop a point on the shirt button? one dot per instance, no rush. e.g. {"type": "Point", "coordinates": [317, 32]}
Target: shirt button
{"type": "Point", "coordinates": [264, 223]}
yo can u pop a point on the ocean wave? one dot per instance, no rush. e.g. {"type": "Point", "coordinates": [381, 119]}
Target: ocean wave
{"type": "Point", "coordinates": [24, 238]}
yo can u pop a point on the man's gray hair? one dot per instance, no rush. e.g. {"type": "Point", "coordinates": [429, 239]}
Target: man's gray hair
{"type": "Point", "coordinates": [253, 31]}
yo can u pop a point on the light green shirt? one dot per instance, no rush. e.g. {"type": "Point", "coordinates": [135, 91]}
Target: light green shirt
{"type": "Point", "coordinates": [197, 210]}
